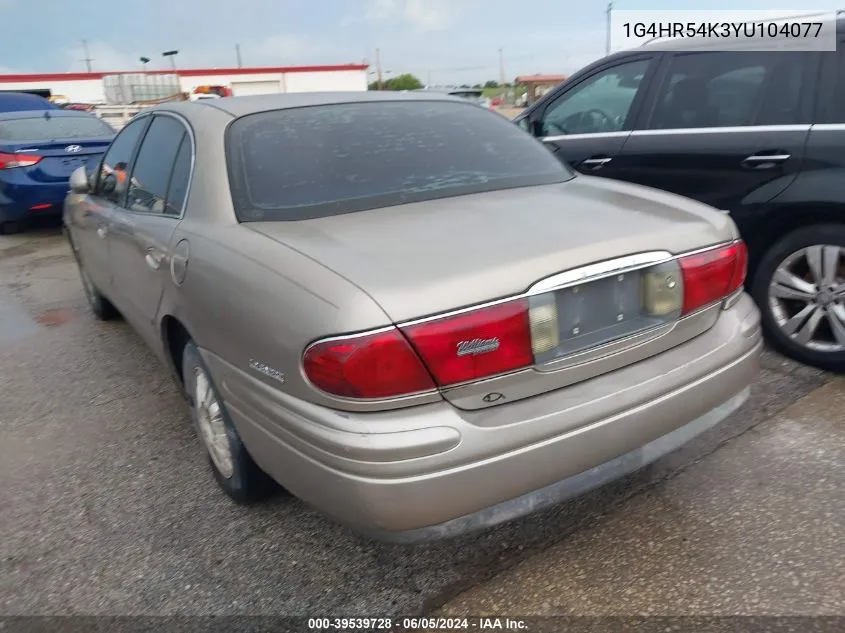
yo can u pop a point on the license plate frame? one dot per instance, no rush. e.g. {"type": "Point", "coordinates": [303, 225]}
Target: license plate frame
{"type": "Point", "coordinates": [599, 312]}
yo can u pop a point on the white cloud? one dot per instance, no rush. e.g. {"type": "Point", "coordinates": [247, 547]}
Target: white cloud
{"type": "Point", "coordinates": [104, 58]}
{"type": "Point", "coordinates": [285, 49]}
{"type": "Point", "coordinates": [422, 15]}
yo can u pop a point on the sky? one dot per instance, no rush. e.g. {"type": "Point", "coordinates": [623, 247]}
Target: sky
{"type": "Point", "coordinates": [440, 41]}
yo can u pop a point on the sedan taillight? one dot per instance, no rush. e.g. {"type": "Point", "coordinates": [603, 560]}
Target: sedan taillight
{"type": "Point", "coordinates": [10, 161]}
{"type": "Point", "coordinates": [504, 337]}
{"type": "Point", "coordinates": [421, 357]}
{"type": "Point", "coordinates": [713, 274]}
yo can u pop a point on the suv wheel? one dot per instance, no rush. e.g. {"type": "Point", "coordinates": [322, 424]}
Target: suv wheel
{"type": "Point", "coordinates": [800, 288]}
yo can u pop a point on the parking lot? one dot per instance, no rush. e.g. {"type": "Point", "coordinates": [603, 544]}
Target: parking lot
{"type": "Point", "coordinates": [109, 508]}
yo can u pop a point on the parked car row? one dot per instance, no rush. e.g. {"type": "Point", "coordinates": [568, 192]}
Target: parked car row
{"type": "Point", "coordinates": [406, 311]}
{"type": "Point", "coordinates": [39, 149]}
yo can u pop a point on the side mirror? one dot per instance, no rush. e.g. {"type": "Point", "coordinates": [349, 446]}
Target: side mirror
{"type": "Point", "coordinates": [108, 184]}
{"type": "Point", "coordinates": [79, 181]}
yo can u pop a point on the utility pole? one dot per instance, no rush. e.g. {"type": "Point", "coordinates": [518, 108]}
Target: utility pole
{"type": "Point", "coordinates": [238, 54]}
{"type": "Point", "coordinates": [87, 59]}
{"type": "Point", "coordinates": [609, 12]}
{"type": "Point", "coordinates": [378, 70]}
{"type": "Point", "coordinates": [429, 84]}
{"type": "Point", "coordinates": [502, 77]}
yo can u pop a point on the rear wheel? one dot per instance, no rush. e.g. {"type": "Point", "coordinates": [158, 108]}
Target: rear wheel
{"type": "Point", "coordinates": [10, 228]}
{"type": "Point", "coordinates": [233, 468]}
{"type": "Point", "coordinates": [800, 288]}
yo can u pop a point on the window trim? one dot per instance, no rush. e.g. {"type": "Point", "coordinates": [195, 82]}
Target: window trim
{"type": "Point", "coordinates": [187, 132]}
{"type": "Point", "coordinates": [654, 59]}
{"type": "Point", "coordinates": [806, 102]}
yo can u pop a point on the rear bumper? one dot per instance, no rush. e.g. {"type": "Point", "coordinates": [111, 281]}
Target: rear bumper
{"type": "Point", "coordinates": [434, 471]}
{"type": "Point", "coordinates": [23, 201]}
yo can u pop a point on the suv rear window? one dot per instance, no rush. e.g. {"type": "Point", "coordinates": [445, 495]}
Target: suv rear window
{"type": "Point", "coordinates": [318, 161]}
{"type": "Point", "coordinates": [42, 128]}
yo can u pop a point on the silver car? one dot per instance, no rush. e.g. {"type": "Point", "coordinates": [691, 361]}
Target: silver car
{"type": "Point", "coordinates": [405, 310]}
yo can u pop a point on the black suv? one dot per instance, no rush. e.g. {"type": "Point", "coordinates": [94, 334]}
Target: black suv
{"type": "Point", "coordinates": [760, 135]}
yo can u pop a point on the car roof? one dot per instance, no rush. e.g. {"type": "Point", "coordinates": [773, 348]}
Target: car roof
{"type": "Point", "coordinates": [43, 114]}
{"type": "Point", "coordinates": [16, 101]}
{"type": "Point", "coordinates": [241, 106]}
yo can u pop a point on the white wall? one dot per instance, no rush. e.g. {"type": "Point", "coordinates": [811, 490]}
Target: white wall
{"type": "Point", "coordinates": [82, 90]}
{"type": "Point", "coordinates": [331, 81]}
{"type": "Point", "coordinates": [91, 90]}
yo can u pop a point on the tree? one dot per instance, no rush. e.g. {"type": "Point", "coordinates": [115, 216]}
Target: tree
{"type": "Point", "coordinates": [401, 82]}
{"type": "Point", "coordinates": [477, 86]}
{"type": "Point", "coordinates": [491, 84]}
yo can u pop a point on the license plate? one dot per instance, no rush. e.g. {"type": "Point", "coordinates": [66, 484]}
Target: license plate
{"type": "Point", "coordinates": [601, 311]}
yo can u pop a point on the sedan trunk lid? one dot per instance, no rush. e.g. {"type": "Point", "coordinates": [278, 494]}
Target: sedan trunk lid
{"type": "Point", "coordinates": [426, 258]}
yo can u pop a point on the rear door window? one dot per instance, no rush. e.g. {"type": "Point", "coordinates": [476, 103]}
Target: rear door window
{"type": "Point", "coordinates": [147, 191]}
{"type": "Point", "coordinates": [732, 89]}
{"type": "Point", "coordinates": [179, 178]}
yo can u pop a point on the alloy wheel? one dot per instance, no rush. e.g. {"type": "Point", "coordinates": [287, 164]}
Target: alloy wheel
{"type": "Point", "coordinates": [212, 425]}
{"type": "Point", "coordinates": [807, 297]}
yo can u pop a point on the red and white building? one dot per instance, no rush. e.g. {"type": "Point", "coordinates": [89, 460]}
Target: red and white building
{"type": "Point", "coordinates": [89, 87]}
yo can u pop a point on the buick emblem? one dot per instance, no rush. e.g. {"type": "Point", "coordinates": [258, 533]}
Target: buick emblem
{"type": "Point", "coordinates": [73, 149]}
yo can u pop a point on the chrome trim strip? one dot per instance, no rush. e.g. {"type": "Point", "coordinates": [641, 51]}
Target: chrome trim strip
{"type": "Point", "coordinates": [593, 272]}
{"type": "Point", "coordinates": [833, 127]}
{"type": "Point", "coordinates": [804, 127]}
{"type": "Point", "coordinates": [560, 137]}
{"type": "Point", "coordinates": [800, 127]}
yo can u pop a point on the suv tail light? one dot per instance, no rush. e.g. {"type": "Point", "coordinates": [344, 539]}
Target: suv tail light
{"type": "Point", "coordinates": [713, 275]}
{"type": "Point", "coordinates": [9, 161]}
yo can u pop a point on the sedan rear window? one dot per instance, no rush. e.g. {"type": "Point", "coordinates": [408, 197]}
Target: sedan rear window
{"type": "Point", "coordinates": [318, 161]}
{"type": "Point", "coordinates": [42, 128]}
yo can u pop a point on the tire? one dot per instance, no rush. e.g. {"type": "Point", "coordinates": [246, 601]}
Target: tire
{"type": "Point", "coordinates": [102, 308]}
{"type": "Point", "coordinates": [233, 468]}
{"type": "Point", "coordinates": [803, 316]}
{"type": "Point", "coordinates": [10, 228]}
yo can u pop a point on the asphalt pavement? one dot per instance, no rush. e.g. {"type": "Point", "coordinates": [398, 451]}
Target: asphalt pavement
{"type": "Point", "coordinates": [108, 506]}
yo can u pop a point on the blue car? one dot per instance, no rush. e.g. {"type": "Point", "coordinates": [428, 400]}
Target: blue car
{"type": "Point", "coordinates": [22, 101]}
{"type": "Point", "coordinates": [38, 152]}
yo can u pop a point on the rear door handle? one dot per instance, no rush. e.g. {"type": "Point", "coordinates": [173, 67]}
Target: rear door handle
{"type": "Point", "coordinates": [596, 162]}
{"type": "Point", "coordinates": [765, 161]}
